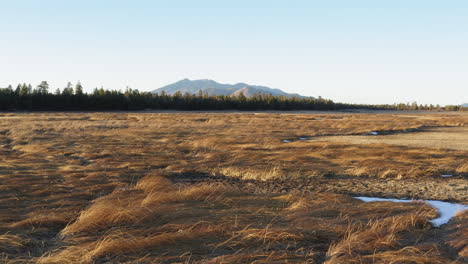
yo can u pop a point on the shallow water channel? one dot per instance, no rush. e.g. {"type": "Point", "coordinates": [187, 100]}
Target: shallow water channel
{"type": "Point", "coordinates": [446, 210]}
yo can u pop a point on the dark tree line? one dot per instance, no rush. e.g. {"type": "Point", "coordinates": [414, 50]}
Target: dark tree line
{"type": "Point", "coordinates": [72, 97]}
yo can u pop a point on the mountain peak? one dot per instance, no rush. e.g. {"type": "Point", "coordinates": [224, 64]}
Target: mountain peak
{"type": "Point", "coordinates": [212, 87]}
{"type": "Point", "coordinates": [183, 81]}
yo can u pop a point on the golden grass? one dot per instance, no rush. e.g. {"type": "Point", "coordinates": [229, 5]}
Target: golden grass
{"type": "Point", "coordinates": [217, 218]}
{"type": "Point", "coordinates": [376, 236]}
{"type": "Point", "coordinates": [103, 187]}
{"type": "Point", "coordinates": [251, 174]}
{"type": "Point", "coordinates": [241, 145]}
{"type": "Point", "coordinates": [235, 227]}
{"type": "Point", "coordinates": [122, 244]}
{"type": "Point", "coordinates": [462, 168]}
{"type": "Point", "coordinates": [10, 242]}
{"type": "Point", "coordinates": [458, 232]}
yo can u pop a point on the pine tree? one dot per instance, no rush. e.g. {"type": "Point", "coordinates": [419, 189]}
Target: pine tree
{"type": "Point", "coordinates": [43, 88]}
{"type": "Point", "coordinates": [79, 89]}
{"type": "Point", "coordinates": [68, 90]}
{"type": "Point", "coordinates": [24, 90]}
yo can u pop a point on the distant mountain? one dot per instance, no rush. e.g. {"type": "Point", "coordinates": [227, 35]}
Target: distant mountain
{"type": "Point", "coordinates": [465, 105]}
{"type": "Point", "coordinates": [211, 87]}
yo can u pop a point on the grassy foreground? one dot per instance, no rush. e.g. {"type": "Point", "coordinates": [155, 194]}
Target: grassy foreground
{"type": "Point", "coordinates": [110, 188]}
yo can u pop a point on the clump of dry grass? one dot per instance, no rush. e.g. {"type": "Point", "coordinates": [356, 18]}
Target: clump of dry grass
{"type": "Point", "coordinates": [105, 213]}
{"type": "Point", "coordinates": [457, 234]}
{"type": "Point", "coordinates": [267, 237]}
{"type": "Point", "coordinates": [385, 172]}
{"type": "Point", "coordinates": [378, 240]}
{"type": "Point", "coordinates": [251, 174]}
{"type": "Point", "coordinates": [12, 243]}
{"type": "Point", "coordinates": [407, 255]}
{"type": "Point", "coordinates": [133, 206]}
{"type": "Point", "coordinates": [154, 183]}
{"type": "Point", "coordinates": [463, 168]}
{"type": "Point", "coordinates": [42, 221]}
{"type": "Point", "coordinates": [120, 244]}
{"type": "Point", "coordinates": [196, 192]}
{"type": "Point", "coordinates": [262, 258]}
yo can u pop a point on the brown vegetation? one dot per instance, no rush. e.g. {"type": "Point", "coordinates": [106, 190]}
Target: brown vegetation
{"type": "Point", "coordinates": [432, 137]}
{"type": "Point", "coordinates": [123, 187]}
{"type": "Point", "coordinates": [221, 224]}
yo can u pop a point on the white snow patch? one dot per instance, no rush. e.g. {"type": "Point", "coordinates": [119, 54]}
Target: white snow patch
{"type": "Point", "coordinates": [446, 176]}
{"type": "Point", "coordinates": [287, 141]}
{"type": "Point", "coordinates": [446, 210]}
{"type": "Point", "coordinates": [374, 133]}
{"type": "Point", "coordinates": [303, 138]}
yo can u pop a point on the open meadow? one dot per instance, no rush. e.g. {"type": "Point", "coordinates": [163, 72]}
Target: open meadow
{"type": "Point", "coordinates": [231, 187]}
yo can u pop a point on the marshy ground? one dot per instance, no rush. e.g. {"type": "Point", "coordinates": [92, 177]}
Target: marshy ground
{"type": "Point", "coordinates": [227, 188]}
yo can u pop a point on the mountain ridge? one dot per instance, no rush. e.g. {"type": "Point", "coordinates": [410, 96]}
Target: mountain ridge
{"type": "Point", "coordinates": [212, 87]}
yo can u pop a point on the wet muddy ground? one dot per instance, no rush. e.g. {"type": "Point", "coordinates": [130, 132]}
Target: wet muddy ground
{"type": "Point", "coordinates": [453, 189]}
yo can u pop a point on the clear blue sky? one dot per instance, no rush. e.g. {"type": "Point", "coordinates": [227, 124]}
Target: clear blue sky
{"type": "Point", "coordinates": [349, 51]}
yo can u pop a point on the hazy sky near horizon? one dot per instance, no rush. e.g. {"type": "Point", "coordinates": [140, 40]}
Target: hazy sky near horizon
{"type": "Point", "coordinates": [348, 51]}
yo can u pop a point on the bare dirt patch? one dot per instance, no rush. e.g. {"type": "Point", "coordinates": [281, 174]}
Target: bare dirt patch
{"type": "Point", "coordinates": [427, 137]}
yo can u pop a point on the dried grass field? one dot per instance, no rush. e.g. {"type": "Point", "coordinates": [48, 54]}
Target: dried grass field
{"type": "Point", "coordinates": [230, 187]}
